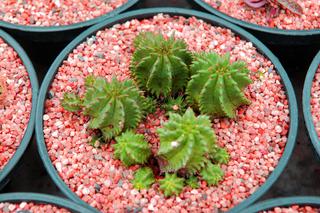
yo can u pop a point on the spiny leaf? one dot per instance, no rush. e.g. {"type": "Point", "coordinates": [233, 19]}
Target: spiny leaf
{"type": "Point", "coordinates": [143, 178]}
{"type": "Point", "coordinates": [171, 184]}
{"type": "Point", "coordinates": [71, 102]}
{"type": "Point", "coordinates": [212, 174]}
{"type": "Point", "coordinates": [291, 5]}
{"type": "Point", "coordinates": [131, 148]}
{"type": "Point", "coordinates": [193, 182]}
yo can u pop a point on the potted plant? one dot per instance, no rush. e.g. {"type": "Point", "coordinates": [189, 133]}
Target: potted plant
{"type": "Point", "coordinates": [35, 202]}
{"type": "Point", "coordinates": [18, 97]}
{"type": "Point", "coordinates": [287, 204]}
{"type": "Point", "coordinates": [56, 20]}
{"type": "Point", "coordinates": [310, 102]}
{"type": "Point", "coordinates": [288, 22]}
{"type": "Point", "coordinates": [109, 114]}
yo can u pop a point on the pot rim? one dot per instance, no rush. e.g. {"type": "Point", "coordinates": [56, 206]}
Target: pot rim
{"type": "Point", "coordinates": [256, 27]}
{"type": "Point", "coordinates": [283, 202]}
{"type": "Point", "coordinates": [43, 199]}
{"type": "Point", "coordinates": [30, 126]}
{"type": "Point", "coordinates": [144, 13]}
{"type": "Point", "coordinates": [83, 24]}
{"type": "Point", "coordinates": [306, 98]}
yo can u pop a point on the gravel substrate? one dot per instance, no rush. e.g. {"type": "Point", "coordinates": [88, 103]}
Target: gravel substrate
{"type": "Point", "coordinates": [315, 101]}
{"type": "Point", "coordinates": [255, 140]}
{"type": "Point", "coordinates": [294, 209]}
{"type": "Point", "coordinates": [16, 108]}
{"type": "Point", "coordinates": [30, 208]}
{"type": "Point", "coordinates": [285, 20]}
{"type": "Point", "coordinates": [54, 12]}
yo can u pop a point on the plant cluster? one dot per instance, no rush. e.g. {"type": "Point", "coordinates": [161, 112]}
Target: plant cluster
{"type": "Point", "coordinates": [290, 5]}
{"type": "Point", "coordinates": [191, 88]}
{"type": "Point", "coordinates": [3, 89]}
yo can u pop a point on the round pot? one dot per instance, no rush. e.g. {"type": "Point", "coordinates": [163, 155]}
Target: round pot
{"type": "Point", "coordinates": [44, 199]}
{"type": "Point", "coordinates": [267, 34]}
{"type": "Point", "coordinates": [59, 33]}
{"type": "Point", "coordinates": [306, 98]}
{"type": "Point", "coordinates": [283, 202]}
{"type": "Point", "coordinates": [145, 13]}
{"type": "Point", "coordinates": [5, 172]}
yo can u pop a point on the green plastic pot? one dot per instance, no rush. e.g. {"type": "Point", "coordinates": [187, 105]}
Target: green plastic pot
{"type": "Point", "coordinates": [268, 34]}
{"type": "Point", "coordinates": [306, 103]}
{"type": "Point", "coordinates": [59, 33]}
{"type": "Point", "coordinates": [146, 13]}
{"type": "Point", "coordinates": [45, 199]}
{"type": "Point", "coordinates": [283, 202]}
{"type": "Point", "coordinates": [7, 170]}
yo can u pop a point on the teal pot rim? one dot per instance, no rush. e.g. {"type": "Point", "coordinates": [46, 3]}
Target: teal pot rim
{"type": "Point", "coordinates": [145, 13]}
{"type": "Point", "coordinates": [80, 25]}
{"type": "Point", "coordinates": [256, 27]}
{"type": "Point", "coordinates": [283, 202]}
{"type": "Point", "coordinates": [4, 173]}
{"type": "Point", "coordinates": [306, 97]}
{"type": "Point", "coordinates": [44, 199]}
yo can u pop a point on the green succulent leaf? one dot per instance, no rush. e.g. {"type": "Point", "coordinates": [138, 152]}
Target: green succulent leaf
{"type": "Point", "coordinates": [143, 178]}
{"type": "Point", "coordinates": [161, 66]}
{"type": "Point", "coordinates": [150, 105]}
{"type": "Point", "coordinates": [131, 148]}
{"type": "Point", "coordinates": [216, 86]}
{"type": "Point", "coordinates": [185, 141]}
{"type": "Point", "coordinates": [171, 184]}
{"type": "Point", "coordinates": [176, 105]}
{"type": "Point", "coordinates": [113, 107]}
{"type": "Point", "coordinates": [71, 102]}
{"type": "Point", "coordinates": [193, 182]}
{"type": "Point", "coordinates": [212, 174]}
{"type": "Point", "coordinates": [220, 156]}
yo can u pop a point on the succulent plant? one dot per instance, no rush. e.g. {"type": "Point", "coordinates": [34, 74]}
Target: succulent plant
{"type": "Point", "coordinates": [291, 5]}
{"type": "Point", "coordinates": [143, 178]}
{"type": "Point", "coordinates": [160, 66]}
{"type": "Point", "coordinates": [171, 184]}
{"type": "Point", "coordinates": [113, 106]}
{"type": "Point", "coordinates": [211, 173]}
{"type": "Point", "coordinates": [193, 182]}
{"type": "Point", "coordinates": [216, 87]}
{"type": "Point", "coordinates": [220, 156]}
{"type": "Point", "coordinates": [131, 148]}
{"type": "Point", "coordinates": [185, 141]}
{"type": "Point", "coordinates": [3, 89]}
{"type": "Point", "coordinates": [176, 105]}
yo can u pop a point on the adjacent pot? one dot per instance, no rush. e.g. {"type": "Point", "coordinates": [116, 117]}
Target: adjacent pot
{"type": "Point", "coordinates": [267, 34]}
{"type": "Point", "coordinates": [5, 172]}
{"type": "Point", "coordinates": [284, 202]}
{"type": "Point", "coordinates": [59, 33]}
{"type": "Point", "coordinates": [306, 99]}
{"type": "Point", "coordinates": [147, 13]}
{"type": "Point", "coordinates": [37, 198]}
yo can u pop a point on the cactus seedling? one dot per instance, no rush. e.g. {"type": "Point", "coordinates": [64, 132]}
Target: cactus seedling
{"type": "Point", "coordinates": [143, 178]}
{"type": "Point", "coordinates": [291, 5]}
{"type": "Point", "coordinates": [211, 173]}
{"type": "Point", "coordinates": [131, 148]}
{"type": "Point", "coordinates": [171, 185]}
{"type": "Point", "coordinates": [193, 182]}
{"type": "Point", "coordinates": [176, 105]}
{"type": "Point", "coordinates": [113, 107]}
{"type": "Point", "coordinates": [216, 87]}
{"type": "Point", "coordinates": [3, 89]}
{"type": "Point", "coordinates": [185, 141]}
{"type": "Point", "coordinates": [161, 66]}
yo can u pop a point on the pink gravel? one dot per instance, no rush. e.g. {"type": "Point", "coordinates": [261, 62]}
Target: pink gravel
{"type": "Point", "coordinates": [315, 101]}
{"type": "Point", "coordinates": [54, 12]}
{"type": "Point", "coordinates": [15, 110]}
{"type": "Point", "coordinates": [294, 209]}
{"type": "Point", "coordinates": [255, 141]}
{"type": "Point", "coordinates": [31, 207]}
{"type": "Point", "coordinates": [286, 20]}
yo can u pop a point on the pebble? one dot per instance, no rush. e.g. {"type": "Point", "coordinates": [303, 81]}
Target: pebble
{"type": "Point", "coordinates": [30, 207]}
{"type": "Point", "coordinates": [247, 140]}
{"type": "Point", "coordinates": [285, 20]}
{"type": "Point", "coordinates": [42, 13]}
{"type": "Point", "coordinates": [315, 101]}
{"type": "Point", "coordinates": [293, 209]}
